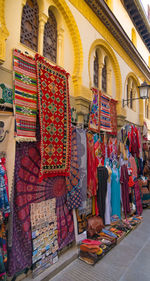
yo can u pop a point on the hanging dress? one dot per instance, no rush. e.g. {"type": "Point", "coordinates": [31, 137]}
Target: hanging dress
{"type": "Point", "coordinates": [108, 198]}
{"type": "Point", "coordinates": [115, 193]}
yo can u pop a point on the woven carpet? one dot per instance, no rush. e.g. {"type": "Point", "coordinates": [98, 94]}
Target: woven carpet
{"type": "Point", "coordinates": [25, 96]}
{"type": "Point", "coordinates": [28, 189]}
{"type": "Point", "coordinates": [113, 116]}
{"type": "Point", "coordinates": [105, 114]}
{"type": "Point", "coordinates": [55, 119]}
{"type": "Point", "coordinates": [94, 119]}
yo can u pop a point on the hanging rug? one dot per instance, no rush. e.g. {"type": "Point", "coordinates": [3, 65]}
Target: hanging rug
{"type": "Point", "coordinates": [55, 119]}
{"type": "Point", "coordinates": [25, 96]}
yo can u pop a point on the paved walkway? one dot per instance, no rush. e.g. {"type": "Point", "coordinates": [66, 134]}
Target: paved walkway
{"type": "Point", "coordinates": [128, 261]}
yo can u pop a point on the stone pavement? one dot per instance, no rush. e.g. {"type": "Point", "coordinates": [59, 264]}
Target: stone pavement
{"type": "Point", "coordinates": [128, 261]}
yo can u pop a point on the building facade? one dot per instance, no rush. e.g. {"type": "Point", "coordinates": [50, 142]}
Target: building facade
{"type": "Point", "coordinates": [103, 44]}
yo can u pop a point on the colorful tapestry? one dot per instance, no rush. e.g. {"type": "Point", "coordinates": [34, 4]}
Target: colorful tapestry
{"type": "Point", "coordinates": [55, 119]}
{"type": "Point", "coordinates": [105, 118]}
{"type": "Point", "coordinates": [94, 119]}
{"type": "Point", "coordinates": [6, 95]}
{"type": "Point", "coordinates": [44, 235]}
{"type": "Point", "coordinates": [3, 252]}
{"type": "Point", "coordinates": [25, 96]}
{"type": "Point", "coordinates": [8, 147]}
{"type": "Point", "coordinates": [113, 116]}
{"type": "Point", "coordinates": [92, 180]}
{"type": "Point", "coordinates": [82, 160]}
{"type": "Point", "coordinates": [73, 181]}
{"type": "Point", "coordinates": [65, 223]}
{"type": "Point", "coordinates": [28, 189]}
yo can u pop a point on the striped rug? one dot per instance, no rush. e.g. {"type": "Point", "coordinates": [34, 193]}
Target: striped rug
{"type": "Point", "coordinates": [105, 114]}
{"type": "Point", "coordinates": [25, 96]}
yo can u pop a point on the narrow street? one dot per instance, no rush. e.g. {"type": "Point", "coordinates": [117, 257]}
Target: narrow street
{"type": "Point", "coordinates": [128, 261]}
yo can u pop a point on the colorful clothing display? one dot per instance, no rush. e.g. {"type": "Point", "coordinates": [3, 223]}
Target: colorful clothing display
{"type": "Point", "coordinates": [25, 96]}
{"type": "Point", "coordinates": [3, 252]}
{"type": "Point", "coordinates": [124, 179]}
{"type": "Point", "coordinates": [108, 197]}
{"type": "Point", "coordinates": [91, 167]}
{"type": "Point", "coordinates": [82, 160]}
{"type": "Point", "coordinates": [138, 201]}
{"type": "Point", "coordinates": [8, 147]}
{"type": "Point", "coordinates": [55, 118]}
{"type": "Point", "coordinates": [94, 119]}
{"type": "Point", "coordinates": [115, 193]}
{"type": "Point", "coordinates": [4, 203]}
{"type": "Point", "coordinates": [102, 190]}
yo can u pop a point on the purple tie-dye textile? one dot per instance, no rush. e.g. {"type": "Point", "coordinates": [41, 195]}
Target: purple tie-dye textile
{"type": "Point", "coordinates": [28, 189]}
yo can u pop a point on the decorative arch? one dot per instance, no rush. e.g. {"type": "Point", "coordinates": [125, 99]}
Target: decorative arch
{"type": "Point", "coordinates": [116, 68]}
{"type": "Point", "coordinates": [74, 33]}
{"type": "Point", "coordinates": [133, 37]}
{"type": "Point", "coordinates": [141, 111]}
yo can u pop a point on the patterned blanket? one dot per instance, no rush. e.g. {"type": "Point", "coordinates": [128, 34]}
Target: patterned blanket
{"type": "Point", "coordinates": [25, 96]}
{"type": "Point", "coordinates": [55, 119]}
{"type": "Point", "coordinates": [28, 189]}
{"type": "Point", "coordinates": [105, 114]}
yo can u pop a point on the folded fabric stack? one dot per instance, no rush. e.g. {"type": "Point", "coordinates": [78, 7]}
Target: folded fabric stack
{"type": "Point", "coordinates": [92, 250]}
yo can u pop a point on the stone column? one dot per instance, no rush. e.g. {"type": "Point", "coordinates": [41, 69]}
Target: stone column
{"type": "Point", "coordinates": [101, 65]}
{"type": "Point", "coordinates": [60, 46]}
{"type": "Point", "coordinates": [42, 20]}
{"type": "Point", "coordinates": [109, 81]}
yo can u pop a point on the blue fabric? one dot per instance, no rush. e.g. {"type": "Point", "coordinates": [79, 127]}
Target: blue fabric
{"type": "Point", "coordinates": [115, 193]}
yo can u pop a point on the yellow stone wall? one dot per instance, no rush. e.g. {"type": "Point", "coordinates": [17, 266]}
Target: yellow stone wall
{"type": "Point", "coordinates": [79, 33]}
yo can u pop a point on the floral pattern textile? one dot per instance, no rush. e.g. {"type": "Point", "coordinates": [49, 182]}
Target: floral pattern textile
{"type": "Point", "coordinates": [55, 119]}
{"type": "Point", "coordinates": [92, 181]}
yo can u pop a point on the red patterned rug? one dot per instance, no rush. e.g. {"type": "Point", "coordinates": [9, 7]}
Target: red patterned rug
{"type": "Point", "coordinates": [55, 119]}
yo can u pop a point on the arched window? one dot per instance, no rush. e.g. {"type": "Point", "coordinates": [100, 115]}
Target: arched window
{"type": "Point", "coordinates": [104, 77]}
{"type": "Point", "coordinates": [29, 24]}
{"type": "Point", "coordinates": [96, 70]}
{"type": "Point", "coordinates": [131, 93]}
{"type": "Point", "coordinates": [50, 38]}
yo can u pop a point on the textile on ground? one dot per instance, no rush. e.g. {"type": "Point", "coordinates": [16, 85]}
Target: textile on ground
{"type": "Point", "coordinates": [55, 119]}
{"type": "Point", "coordinates": [25, 96]}
{"type": "Point", "coordinates": [94, 119]}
